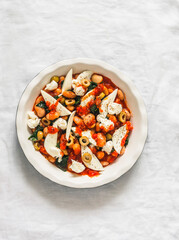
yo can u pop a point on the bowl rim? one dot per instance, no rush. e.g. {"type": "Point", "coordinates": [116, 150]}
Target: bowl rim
{"type": "Point", "coordinates": [134, 92]}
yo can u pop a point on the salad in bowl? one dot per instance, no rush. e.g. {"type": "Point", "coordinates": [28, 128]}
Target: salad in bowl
{"type": "Point", "coordinates": [80, 122]}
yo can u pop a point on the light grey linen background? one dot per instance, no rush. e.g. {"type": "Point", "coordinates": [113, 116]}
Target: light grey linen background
{"type": "Point", "coordinates": [141, 38]}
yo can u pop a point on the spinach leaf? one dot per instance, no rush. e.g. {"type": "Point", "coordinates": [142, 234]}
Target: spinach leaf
{"type": "Point", "coordinates": [56, 97]}
{"type": "Point", "coordinates": [126, 142]}
{"type": "Point", "coordinates": [92, 85]}
{"type": "Point", "coordinates": [62, 83]}
{"type": "Point", "coordinates": [42, 104]}
{"type": "Point", "coordinates": [77, 100]}
{"type": "Point", "coordinates": [58, 145]}
{"type": "Point", "coordinates": [63, 164]}
{"type": "Point", "coordinates": [94, 109]}
{"type": "Point", "coordinates": [112, 150]}
{"type": "Point", "coordinates": [33, 137]}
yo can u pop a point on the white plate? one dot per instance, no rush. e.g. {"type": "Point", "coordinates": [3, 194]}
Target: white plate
{"type": "Point", "coordinates": [137, 137]}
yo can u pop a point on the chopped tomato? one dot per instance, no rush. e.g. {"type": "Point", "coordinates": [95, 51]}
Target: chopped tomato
{"type": "Point", "coordinates": [113, 119]}
{"type": "Point", "coordinates": [42, 150]}
{"type": "Point", "coordinates": [52, 129]}
{"type": "Point", "coordinates": [82, 110]}
{"type": "Point", "coordinates": [117, 100]}
{"type": "Point", "coordinates": [94, 136]}
{"type": "Point", "coordinates": [98, 101]}
{"type": "Point", "coordinates": [124, 139]}
{"type": "Point", "coordinates": [97, 90]}
{"type": "Point", "coordinates": [47, 103]}
{"type": "Point", "coordinates": [111, 127]}
{"type": "Point", "coordinates": [53, 106]}
{"type": "Point", "coordinates": [63, 142]}
{"type": "Point", "coordinates": [129, 126]}
{"type": "Point", "coordinates": [90, 173]}
{"type": "Point", "coordinates": [78, 131]}
{"type": "Point", "coordinates": [114, 154]}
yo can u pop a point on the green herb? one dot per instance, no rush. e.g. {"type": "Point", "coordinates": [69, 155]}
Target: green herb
{"type": "Point", "coordinates": [42, 104]}
{"type": "Point", "coordinates": [126, 142]}
{"type": "Point", "coordinates": [63, 164]}
{"type": "Point", "coordinates": [56, 97]}
{"type": "Point", "coordinates": [112, 150]}
{"type": "Point", "coordinates": [94, 109]}
{"type": "Point", "coordinates": [62, 83]}
{"type": "Point", "coordinates": [92, 85]}
{"type": "Point", "coordinates": [58, 145]}
{"type": "Point", "coordinates": [33, 137]}
{"type": "Point", "coordinates": [77, 100]}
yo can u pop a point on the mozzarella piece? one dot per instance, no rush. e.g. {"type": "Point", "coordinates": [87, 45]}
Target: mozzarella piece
{"type": "Point", "coordinates": [94, 164]}
{"type": "Point", "coordinates": [74, 130]}
{"type": "Point", "coordinates": [50, 146]}
{"type": "Point", "coordinates": [114, 108]}
{"type": "Point", "coordinates": [60, 123]}
{"type": "Point", "coordinates": [111, 97]}
{"type": "Point", "coordinates": [87, 134]}
{"type": "Point", "coordinates": [117, 138]}
{"type": "Point", "coordinates": [60, 108]}
{"type": "Point", "coordinates": [108, 147]}
{"type": "Point", "coordinates": [33, 120]}
{"type": "Point", "coordinates": [104, 122]}
{"type": "Point", "coordinates": [87, 98]}
{"type": "Point", "coordinates": [51, 86]}
{"type": "Point", "coordinates": [67, 84]}
{"type": "Point", "coordinates": [104, 104]}
{"type": "Point", "coordinates": [69, 125]}
{"type": "Point", "coordinates": [32, 115]}
{"type": "Point", "coordinates": [75, 83]}
{"type": "Point", "coordinates": [79, 91]}
{"type": "Point", "coordinates": [83, 75]}
{"type": "Point", "coordinates": [77, 167]}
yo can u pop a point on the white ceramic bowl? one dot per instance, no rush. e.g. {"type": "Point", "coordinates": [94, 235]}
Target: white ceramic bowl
{"type": "Point", "coordinates": [136, 141]}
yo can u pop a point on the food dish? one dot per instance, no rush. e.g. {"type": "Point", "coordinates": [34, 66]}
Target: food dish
{"type": "Point", "coordinates": [139, 120]}
{"type": "Point", "coordinates": [80, 122]}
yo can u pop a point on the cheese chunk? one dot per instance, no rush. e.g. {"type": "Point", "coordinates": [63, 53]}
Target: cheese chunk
{"type": "Point", "coordinates": [51, 86]}
{"type": "Point", "coordinates": [87, 98]}
{"type": "Point", "coordinates": [104, 122]}
{"type": "Point", "coordinates": [79, 91]}
{"type": "Point", "coordinates": [114, 108]}
{"type": "Point", "coordinates": [107, 100]}
{"type": "Point", "coordinates": [67, 84]}
{"type": "Point", "coordinates": [50, 146]}
{"type": "Point", "coordinates": [87, 134]}
{"type": "Point", "coordinates": [94, 164]}
{"type": "Point", "coordinates": [60, 108]}
{"type": "Point", "coordinates": [117, 137]}
{"type": "Point", "coordinates": [84, 75]}
{"type": "Point", "coordinates": [69, 125]}
{"type": "Point", "coordinates": [108, 147]}
{"type": "Point", "coordinates": [77, 167]}
{"type": "Point", "coordinates": [33, 120]}
{"type": "Point", "coordinates": [60, 123]}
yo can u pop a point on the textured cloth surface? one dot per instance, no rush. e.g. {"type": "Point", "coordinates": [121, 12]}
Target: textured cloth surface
{"type": "Point", "coordinates": [141, 38]}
